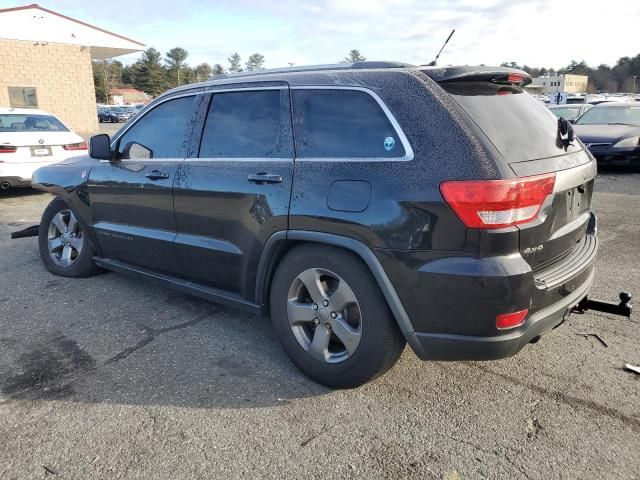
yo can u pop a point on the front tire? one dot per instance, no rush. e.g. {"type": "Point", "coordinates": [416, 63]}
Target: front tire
{"type": "Point", "coordinates": [65, 249]}
{"type": "Point", "coordinates": [331, 317]}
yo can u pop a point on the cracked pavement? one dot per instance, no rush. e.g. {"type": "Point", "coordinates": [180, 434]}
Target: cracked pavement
{"type": "Point", "coordinates": [110, 377]}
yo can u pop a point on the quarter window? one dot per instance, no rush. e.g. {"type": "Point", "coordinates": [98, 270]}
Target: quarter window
{"type": "Point", "coordinates": [243, 125]}
{"type": "Point", "coordinates": [160, 133]}
{"type": "Point", "coordinates": [342, 124]}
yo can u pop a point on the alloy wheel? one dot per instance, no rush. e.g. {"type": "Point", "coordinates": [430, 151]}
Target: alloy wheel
{"type": "Point", "coordinates": [64, 238]}
{"type": "Point", "coordinates": [324, 315]}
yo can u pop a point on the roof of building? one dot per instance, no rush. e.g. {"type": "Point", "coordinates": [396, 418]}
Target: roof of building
{"type": "Point", "coordinates": [35, 23]}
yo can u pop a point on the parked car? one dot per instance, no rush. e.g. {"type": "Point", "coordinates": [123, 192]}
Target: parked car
{"type": "Point", "coordinates": [569, 112]}
{"type": "Point", "coordinates": [30, 139]}
{"type": "Point", "coordinates": [361, 206]}
{"type": "Point", "coordinates": [116, 114]}
{"type": "Point", "coordinates": [611, 131]}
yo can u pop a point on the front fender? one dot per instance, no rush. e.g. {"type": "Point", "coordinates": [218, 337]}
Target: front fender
{"type": "Point", "coordinates": [68, 180]}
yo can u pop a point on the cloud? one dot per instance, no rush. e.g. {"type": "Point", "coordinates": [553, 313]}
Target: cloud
{"type": "Point", "coordinates": [533, 32]}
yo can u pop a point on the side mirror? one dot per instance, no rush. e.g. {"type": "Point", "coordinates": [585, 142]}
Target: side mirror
{"type": "Point", "coordinates": [100, 147]}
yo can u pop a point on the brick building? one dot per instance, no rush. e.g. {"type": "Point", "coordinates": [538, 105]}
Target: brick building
{"type": "Point", "coordinates": [45, 62]}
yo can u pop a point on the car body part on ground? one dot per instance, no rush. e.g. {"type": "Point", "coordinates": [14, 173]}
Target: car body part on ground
{"type": "Point", "coordinates": [448, 188]}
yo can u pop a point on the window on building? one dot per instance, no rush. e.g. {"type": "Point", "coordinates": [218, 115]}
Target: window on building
{"type": "Point", "coordinates": [161, 131]}
{"type": "Point", "coordinates": [342, 124]}
{"type": "Point", "coordinates": [23, 97]}
{"type": "Point", "coordinates": [243, 125]}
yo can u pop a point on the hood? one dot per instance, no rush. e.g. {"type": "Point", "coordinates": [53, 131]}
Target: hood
{"type": "Point", "coordinates": [605, 133]}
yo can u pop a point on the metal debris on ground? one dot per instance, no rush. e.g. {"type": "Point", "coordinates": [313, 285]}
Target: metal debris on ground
{"type": "Point", "coordinates": [594, 335]}
{"type": "Point", "coordinates": [632, 368]}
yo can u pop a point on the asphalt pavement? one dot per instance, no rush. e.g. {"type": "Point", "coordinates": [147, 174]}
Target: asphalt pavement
{"type": "Point", "coordinates": [109, 377]}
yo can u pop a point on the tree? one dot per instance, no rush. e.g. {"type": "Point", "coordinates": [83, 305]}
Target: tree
{"type": "Point", "coordinates": [175, 60]}
{"type": "Point", "coordinates": [202, 72]}
{"type": "Point", "coordinates": [218, 69]}
{"type": "Point", "coordinates": [255, 62]}
{"type": "Point", "coordinates": [107, 75]}
{"type": "Point", "coordinates": [150, 75]}
{"type": "Point", "coordinates": [234, 63]}
{"type": "Point", "coordinates": [354, 56]}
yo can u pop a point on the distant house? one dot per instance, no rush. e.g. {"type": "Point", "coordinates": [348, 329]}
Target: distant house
{"type": "Point", "coordinates": [562, 83]}
{"type": "Point", "coordinates": [127, 96]}
{"type": "Point", "coordinates": [45, 62]}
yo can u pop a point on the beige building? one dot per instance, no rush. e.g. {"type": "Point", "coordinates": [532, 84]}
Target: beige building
{"type": "Point", "coordinates": [45, 63]}
{"type": "Point", "coordinates": [562, 83]}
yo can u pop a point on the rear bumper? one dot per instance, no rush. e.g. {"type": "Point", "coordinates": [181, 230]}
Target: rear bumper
{"type": "Point", "coordinates": [465, 347]}
{"type": "Point", "coordinates": [14, 181]}
{"type": "Point", "coordinates": [453, 302]}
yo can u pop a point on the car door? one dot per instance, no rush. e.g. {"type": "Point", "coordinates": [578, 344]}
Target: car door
{"type": "Point", "coordinates": [235, 194]}
{"type": "Point", "coordinates": [131, 197]}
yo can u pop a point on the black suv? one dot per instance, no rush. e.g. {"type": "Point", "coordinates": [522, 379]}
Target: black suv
{"type": "Point", "coordinates": [360, 206]}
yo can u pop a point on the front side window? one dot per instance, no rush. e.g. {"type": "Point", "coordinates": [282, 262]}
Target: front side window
{"type": "Point", "coordinates": [342, 124]}
{"type": "Point", "coordinates": [160, 133]}
{"type": "Point", "coordinates": [243, 125]}
{"type": "Point", "coordinates": [30, 123]}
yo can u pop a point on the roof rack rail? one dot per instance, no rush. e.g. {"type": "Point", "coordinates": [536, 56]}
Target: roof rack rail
{"type": "Point", "coordinates": [316, 68]}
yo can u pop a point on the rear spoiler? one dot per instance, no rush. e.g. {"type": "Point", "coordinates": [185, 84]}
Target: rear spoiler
{"type": "Point", "coordinates": [492, 74]}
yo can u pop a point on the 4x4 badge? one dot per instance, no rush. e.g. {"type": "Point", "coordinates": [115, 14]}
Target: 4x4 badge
{"type": "Point", "coordinates": [389, 143]}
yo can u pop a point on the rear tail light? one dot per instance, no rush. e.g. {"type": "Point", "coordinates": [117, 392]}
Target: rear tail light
{"type": "Point", "coordinates": [76, 146]}
{"type": "Point", "coordinates": [497, 203]}
{"type": "Point", "coordinates": [515, 78]}
{"type": "Point", "coordinates": [511, 320]}
{"type": "Point", "coordinates": [8, 149]}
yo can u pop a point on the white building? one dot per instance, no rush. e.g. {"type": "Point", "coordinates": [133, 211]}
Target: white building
{"type": "Point", "coordinates": [562, 83]}
{"type": "Point", "coordinates": [45, 62]}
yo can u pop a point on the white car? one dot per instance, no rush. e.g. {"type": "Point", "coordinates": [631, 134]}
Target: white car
{"type": "Point", "coordinates": [30, 139]}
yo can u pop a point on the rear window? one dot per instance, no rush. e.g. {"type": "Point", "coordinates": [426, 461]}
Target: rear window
{"type": "Point", "coordinates": [30, 123]}
{"type": "Point", "coordinates": [519, 126]}
{"type": "Point", "coordinates": [342, 124]}
{"type": "Point", "coordinates": [612, 115]}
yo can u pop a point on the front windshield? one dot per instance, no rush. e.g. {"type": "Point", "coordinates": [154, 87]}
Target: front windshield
{"type": "Point", "coordinates": [612, 116]}
{"type": "Point", "coordinates": [568, 113]}
{"type": "Point", "coordinates": [118, 109]}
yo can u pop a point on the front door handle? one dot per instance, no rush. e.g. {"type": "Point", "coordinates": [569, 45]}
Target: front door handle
{"type": "Point", "coordinates": [157, 175]}
{"type": "Point", "coordinates": [261, 178]}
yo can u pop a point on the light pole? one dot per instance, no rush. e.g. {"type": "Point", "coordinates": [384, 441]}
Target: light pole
{"type": "Point", "coordinates": [634, 83]}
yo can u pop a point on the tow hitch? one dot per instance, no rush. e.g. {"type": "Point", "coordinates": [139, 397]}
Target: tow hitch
{"type": "Point", "coordinates": [623, 308]}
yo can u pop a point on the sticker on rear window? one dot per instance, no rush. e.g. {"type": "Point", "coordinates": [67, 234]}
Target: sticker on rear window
{"type": "Point", "coordinates": [389, 143]}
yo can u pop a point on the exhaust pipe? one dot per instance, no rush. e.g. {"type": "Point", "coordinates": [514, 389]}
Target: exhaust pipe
{"type": "Point", "coordinates": [5, 185]}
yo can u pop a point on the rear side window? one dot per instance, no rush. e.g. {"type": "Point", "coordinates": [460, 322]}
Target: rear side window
{"type": "Point", "coordinates": [519, 126]}
{"type": "Point", "coordinates": [161, 130]}
{"type": "Point", "coordinates": [243, 125]}
{"type": "Point", "coordinates": [342, 124]}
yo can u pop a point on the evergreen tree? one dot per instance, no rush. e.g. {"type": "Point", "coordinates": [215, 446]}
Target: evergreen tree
{"type": "Point", "coordinates": [150, 75]}
{"type": "Point", "coordinates": [255, 62]}
{"type": "Point", "coordinates": [354, 56]}
{"type": "Point", "coordinates": [234, 63]}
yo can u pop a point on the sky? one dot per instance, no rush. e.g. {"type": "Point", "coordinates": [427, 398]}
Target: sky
{"type": "Point", "coordinates": [547, 33]}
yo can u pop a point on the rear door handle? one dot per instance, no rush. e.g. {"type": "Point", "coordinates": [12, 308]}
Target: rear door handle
{"type": "Point", "coordinates": [265, 178]}
{"type": "Point", "coordinates": [157, 175]}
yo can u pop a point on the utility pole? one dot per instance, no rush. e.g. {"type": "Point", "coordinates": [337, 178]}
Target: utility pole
{"type": "Point", "coordinates": [634, 83]}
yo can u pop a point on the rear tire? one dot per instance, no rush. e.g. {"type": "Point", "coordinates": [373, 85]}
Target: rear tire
{"type": "Point", "coordinates": [352, 337]}
{"type": "Point", "coordinates": [65, 249]}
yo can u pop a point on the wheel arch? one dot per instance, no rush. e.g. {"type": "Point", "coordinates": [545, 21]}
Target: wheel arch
{"type": "Point", "coordinates": [281, 242]}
